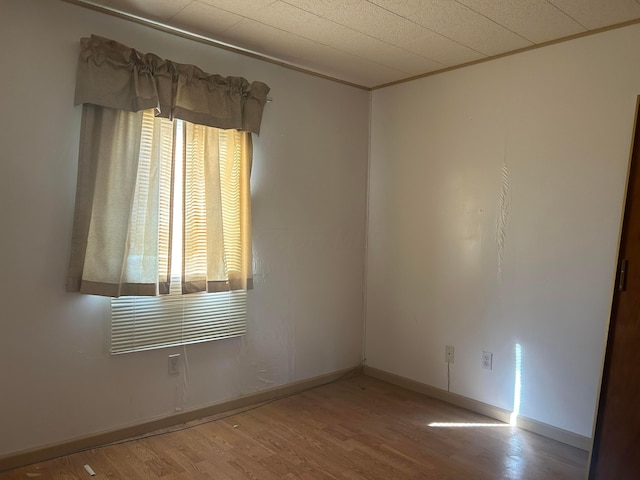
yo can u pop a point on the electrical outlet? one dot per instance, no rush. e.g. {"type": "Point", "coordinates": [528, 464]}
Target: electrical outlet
{"type": "Point", "coordinates": [487, 360]}
{"type": "Point", "coordinates": [448, 354]}
{"type": "Point", "coordinates": [174, 364]}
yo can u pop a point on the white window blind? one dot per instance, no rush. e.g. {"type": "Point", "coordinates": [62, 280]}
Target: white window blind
{"type": "Point", "coordinates": [145, 323]}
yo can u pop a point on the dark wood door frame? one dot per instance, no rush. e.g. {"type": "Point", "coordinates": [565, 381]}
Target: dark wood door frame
{"type": "Point", "coordinates": [616, 446]}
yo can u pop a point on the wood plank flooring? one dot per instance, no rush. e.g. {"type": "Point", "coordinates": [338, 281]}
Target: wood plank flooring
{"type": "Point", "coordinates": [357, 428]}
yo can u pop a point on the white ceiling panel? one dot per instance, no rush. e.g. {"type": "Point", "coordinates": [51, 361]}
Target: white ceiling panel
{"type": "Point", "coordinates": [443, 50]}
{"type": "Point", "coordinates": [486, 36]}
{"type": "Point", "coordinates": [303, 53]}
{"type": "Point", "coordinates": [266, 39]}
{"type": "Point", "coordinates": [459, 23]}
{"type": "Point", "coordinates": [151, 9]}
{"type": "Point", "coordinates": [366, 17]}
{"type": "Point", "coordinates": [204, 19]}
{"type": "Point", "coordinates": [327, 32]}
{"type": "Point", "coordinates": [324, 8]}
{"type": "Point", "coordinates": [240, 7]}
{"type": "Point", "coordinates": [355, 69]}
{"type": "Point", "coordinates": [403, 60]}
{"type": "Point", "coordinates": [599, 13]}
{"type": "Point", "coordinates": [536, 20]}
{"type": "Point", "coordinates": [374, 42]}
{"type": "Point", "coordinates": [312, 27]}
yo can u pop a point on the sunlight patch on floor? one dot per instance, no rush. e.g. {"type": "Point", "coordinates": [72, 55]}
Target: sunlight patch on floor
{"type": "Point", "coordinates": [467, 425]}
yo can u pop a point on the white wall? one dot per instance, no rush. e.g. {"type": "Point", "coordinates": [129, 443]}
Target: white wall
{"type": "Point", "coordinates": [309, 183]}
{"type": "Point", "coordinates": [450, 263]}
{"type": "Point", "coordinates": [540, 137]}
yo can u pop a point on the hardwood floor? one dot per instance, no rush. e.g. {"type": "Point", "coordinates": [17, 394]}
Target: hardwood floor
{"type": "Point", "coordinates": [356, 428]}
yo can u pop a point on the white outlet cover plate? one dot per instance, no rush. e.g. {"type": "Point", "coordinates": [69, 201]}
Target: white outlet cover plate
{"type": "Point", "coordinates": [487, 360]}
{"type": "Point", "coordinates": [449, 354]}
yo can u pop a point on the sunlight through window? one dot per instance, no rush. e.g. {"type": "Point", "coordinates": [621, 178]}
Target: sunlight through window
{"type": "Point", "coordinates": [176, 211]}
{"type": "Point", "coordinates": [517, 385]}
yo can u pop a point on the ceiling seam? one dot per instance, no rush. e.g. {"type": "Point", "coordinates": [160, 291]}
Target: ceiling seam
{"type": "Point", "coordinates": [242, 17]}
{"type": "Point", "coordinates": [328, 46]}
{"type": "Point", "coordinates": [550, 2]}
{"type": "Point", "coordinates": [425, 27]}
{"type": "Point", "coordinates": [495, 22]}
{"type": "Point", "coordinates": [179, 11]}
{"type": "Point", "coordinates": [357, 31]}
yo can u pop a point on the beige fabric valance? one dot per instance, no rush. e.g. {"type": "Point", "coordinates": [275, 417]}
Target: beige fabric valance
{"type": "Point", "coordinates": [113, 75]}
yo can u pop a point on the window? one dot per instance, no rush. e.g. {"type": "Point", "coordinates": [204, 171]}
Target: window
{"type": "Point", "coordinates": [162, 220]}
{"type": "Point", "coordinates": [142, 323]}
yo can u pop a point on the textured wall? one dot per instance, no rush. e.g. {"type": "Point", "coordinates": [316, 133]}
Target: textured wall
{"type": "Point", "coordinates": [309, 203]}
{"type": "Point", "coordinates": [495, 204]}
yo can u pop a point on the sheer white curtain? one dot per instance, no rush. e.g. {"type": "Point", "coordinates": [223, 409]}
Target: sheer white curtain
{"type": "Point", "coordinates": [217, 199]}
{"type": "Point", "coordinates": [122, 229]}
{"type": "Point", "coordinates": [117, 222]}
{"type": "Point", "coordinates": [122, 223]}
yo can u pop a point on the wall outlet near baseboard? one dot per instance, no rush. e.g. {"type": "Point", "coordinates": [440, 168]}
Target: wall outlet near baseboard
{"type": "Point", "coordinates": [174, 364]}
{"type": "Point", "coordinates": [448, 354]}
{"type": "Point", "coordinates": [487, 360]}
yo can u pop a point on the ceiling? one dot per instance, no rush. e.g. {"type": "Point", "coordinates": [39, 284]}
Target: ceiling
{"type": "Point", "coordinates": [375, 42]}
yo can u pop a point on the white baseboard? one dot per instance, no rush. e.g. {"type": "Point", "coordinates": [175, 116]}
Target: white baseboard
{"type": "Point", "coordinates": [544, 429]}
{"type": "Point", "coordinates": [40, 454]}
